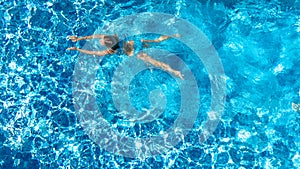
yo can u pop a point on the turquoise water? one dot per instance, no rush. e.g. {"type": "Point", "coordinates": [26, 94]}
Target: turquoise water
{"type": "Point", "coordinates": [257, 43]}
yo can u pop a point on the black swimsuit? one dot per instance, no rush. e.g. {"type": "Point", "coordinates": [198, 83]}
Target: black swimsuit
{"type": "Point", "coordinates": [115, 46]}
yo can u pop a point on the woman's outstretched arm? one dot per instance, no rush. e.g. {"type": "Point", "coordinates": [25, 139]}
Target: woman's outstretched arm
{"type": "Point", "coordinates": [96, 36]}
{"type": "Point", "coordinates": [97, 53]}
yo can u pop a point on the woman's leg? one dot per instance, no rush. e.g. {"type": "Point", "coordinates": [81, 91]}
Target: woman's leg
{"type": "Point", "coordinates": [161, 38]}
{"type": "Point", "coordinates": [148, 59]}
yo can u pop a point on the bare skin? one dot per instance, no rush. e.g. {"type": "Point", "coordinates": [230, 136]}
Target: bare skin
{"type": "Point", "coordinates": [296, 107]}
{"type": "Point", "coordinates": [161, 38]}
{"type": "Point", "coordinates": [96, 36]}
{"type": "Point", "coordinates": [128, 48]}
{"type": "Point", "coordinates": [97, 53]}
{"type": "Point", "coordinates": [148, 59]}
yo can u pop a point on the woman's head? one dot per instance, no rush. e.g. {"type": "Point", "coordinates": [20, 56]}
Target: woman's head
{"type": "Point", "coordinates": [109, 41]}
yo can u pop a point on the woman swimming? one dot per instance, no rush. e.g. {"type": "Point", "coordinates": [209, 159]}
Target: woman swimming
{"type": "Point", "coordinates": [112, 43]}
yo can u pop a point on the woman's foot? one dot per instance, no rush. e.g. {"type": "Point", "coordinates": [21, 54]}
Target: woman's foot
{"type": "Point", "coordinates": [177, 35]}
{"type": "Point", "coordinates": [296, 107]}
{"type": "Point", "coordinates": [72, 48]}
{"type": "Point", "coordinates": [146, 45]}
{"type": "Point", "coordinates": [73, 38]}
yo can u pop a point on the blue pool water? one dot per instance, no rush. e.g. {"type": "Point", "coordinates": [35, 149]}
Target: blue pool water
{"type": "Point", "coordinates": [42, 115]}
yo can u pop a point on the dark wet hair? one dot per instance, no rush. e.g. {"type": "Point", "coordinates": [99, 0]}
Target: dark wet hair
{"type": "Point", "coordinates": [111, 42]}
